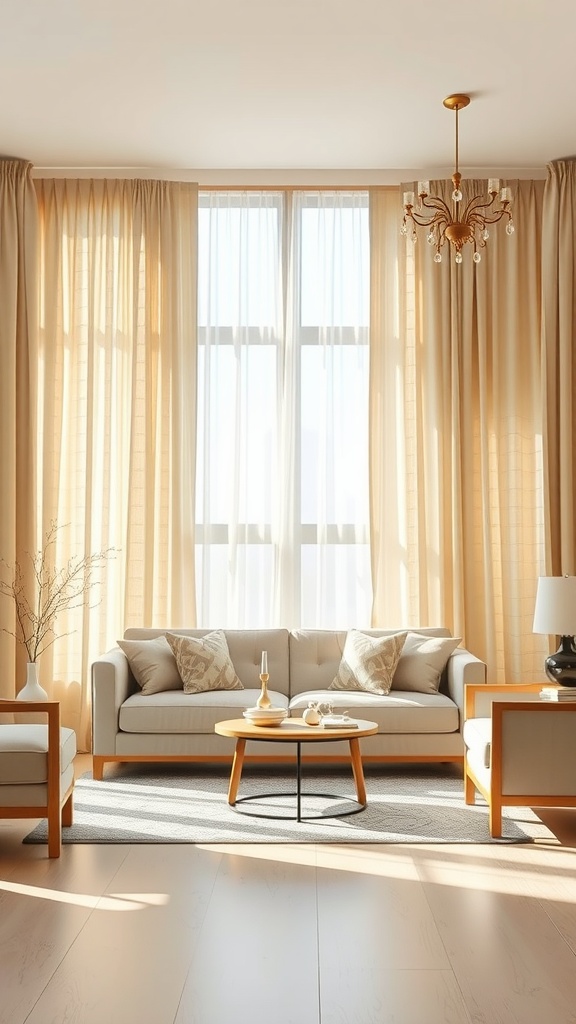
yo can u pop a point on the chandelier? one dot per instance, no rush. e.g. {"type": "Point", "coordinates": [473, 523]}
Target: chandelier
{"type": "Point", "coordinates": [462, 223]}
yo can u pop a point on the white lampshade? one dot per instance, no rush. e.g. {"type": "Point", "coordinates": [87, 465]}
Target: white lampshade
{"type": "Point", "coordinates": [555, 610]}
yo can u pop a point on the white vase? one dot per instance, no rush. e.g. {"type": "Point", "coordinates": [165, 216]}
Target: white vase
{"type": "Point", "coordinates": [32, 690]}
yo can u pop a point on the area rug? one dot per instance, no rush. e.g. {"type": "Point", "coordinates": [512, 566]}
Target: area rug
{"type": "Point", "coordinates": [187, 804]}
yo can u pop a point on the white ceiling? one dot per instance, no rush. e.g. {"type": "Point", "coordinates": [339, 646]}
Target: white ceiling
{"type": "Point", "coordinates": [353, 85]}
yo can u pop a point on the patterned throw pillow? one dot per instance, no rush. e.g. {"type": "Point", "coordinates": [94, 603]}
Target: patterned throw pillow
{"type": "Point", "coordinates": [423, 661]}
{"type": "Point", "coordinates": [204, 662]}
{"type": "Point", "coordinates": [368, 662]}
{"type": "Point", "coordinates": [153, 664]}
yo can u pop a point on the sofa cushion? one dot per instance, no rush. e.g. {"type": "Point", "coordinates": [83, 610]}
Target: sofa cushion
{"type": "Point", "coordinates": [395, 712]}
{"type": "Point", "coordinates": [178, 712]}
{"type": "Point", "coordinates": [204, 662]}
{"type": "Point", "coordinates": [368, 663]}
{"type": "Point", "coordinates": [153, 664]}
{"type": "Point", "coordinates": [245, 647]}
{"type": "Point", "coordinates": [315, 655]}
{"type": "Point", "coordinates": [422, 661]}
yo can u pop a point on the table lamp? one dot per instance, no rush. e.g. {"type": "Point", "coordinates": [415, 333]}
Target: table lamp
{"type": "Point", "coordinates": [555, 613]}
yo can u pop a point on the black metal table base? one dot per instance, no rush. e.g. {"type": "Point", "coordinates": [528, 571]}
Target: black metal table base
{"type": "Point", "coordinates": [298, 794]}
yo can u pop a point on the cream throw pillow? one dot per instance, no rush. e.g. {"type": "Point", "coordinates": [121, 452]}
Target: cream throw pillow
{"type": "Point", "coordinates": [368, 662]}
{"type": "Point", "coordinates": [204, 662]}
{"type": "Point", "coordinates": [153, 664]}
{"type": "Point", "coordinates": [422, 662]}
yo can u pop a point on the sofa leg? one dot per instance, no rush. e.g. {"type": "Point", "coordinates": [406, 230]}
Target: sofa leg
{"type": "Point", "coordinates": [98, 767]}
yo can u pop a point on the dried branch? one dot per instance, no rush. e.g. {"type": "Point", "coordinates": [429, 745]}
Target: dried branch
{"type": "Point", "coordinates": [56, 591]}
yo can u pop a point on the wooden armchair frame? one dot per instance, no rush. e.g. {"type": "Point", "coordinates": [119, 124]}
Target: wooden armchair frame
{"type": "Point", "coordinates": [500, 708]}
{"type": "Point", "coordinates": [58, 808]}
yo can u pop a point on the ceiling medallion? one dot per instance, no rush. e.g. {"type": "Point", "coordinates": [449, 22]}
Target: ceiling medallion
{"type": "Point", "coordinates": [461, 224]}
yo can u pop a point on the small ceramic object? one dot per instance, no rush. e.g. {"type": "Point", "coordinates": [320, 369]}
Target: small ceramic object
{"type": "Point", "coordinates": [311, 715]}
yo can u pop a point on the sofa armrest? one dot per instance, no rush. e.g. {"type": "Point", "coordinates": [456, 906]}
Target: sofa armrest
{"type": "Point", "coordinates": [110, 688]}
{"type": "Point", "coordinates": [463, 668]}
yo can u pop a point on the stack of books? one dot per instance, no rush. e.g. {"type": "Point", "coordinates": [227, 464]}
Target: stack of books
{"type": "Point", "coordinates": [338, 722]}
{"type": "Point", "coordinates": [558, 693]}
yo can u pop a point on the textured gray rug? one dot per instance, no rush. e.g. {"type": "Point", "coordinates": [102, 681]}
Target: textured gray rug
{"type": "Point", "coordinates": [187, 804]}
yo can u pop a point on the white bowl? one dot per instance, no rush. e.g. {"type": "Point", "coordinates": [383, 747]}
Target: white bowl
{"type": "Point", "coordinates": [265, 716]}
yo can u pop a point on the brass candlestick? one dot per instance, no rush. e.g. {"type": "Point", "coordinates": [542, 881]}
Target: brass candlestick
{"type": "Point", "coordinates": [264, 700]}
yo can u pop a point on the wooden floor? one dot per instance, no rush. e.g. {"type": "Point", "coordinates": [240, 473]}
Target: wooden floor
{"type": "Point", "coordinates": [451, 934]}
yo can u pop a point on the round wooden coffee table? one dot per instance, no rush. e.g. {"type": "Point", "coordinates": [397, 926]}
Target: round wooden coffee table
{"type": "Point", "coordinates": [295, 730]}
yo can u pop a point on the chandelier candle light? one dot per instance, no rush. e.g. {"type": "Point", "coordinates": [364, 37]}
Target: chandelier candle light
{"type": "Point", "coordinates": [460, 224]}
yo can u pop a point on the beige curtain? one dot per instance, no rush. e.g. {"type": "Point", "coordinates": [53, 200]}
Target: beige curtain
{"type": "Point", "coordinates": [18, 358]}
{"type": "Point", "coordinates": [117, 410]}
{"type": "Point", "coordinates": [559, 365]}
{"type": "Point", "coordinates": [456, 500]}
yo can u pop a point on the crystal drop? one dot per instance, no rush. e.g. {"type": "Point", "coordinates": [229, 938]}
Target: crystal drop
{"type": "Point", "coordinates": [485, 234]}
{"type": "Point", "coordinates": [414, 237]}
{"type": "Point", "coordinates": [509, 228]}
{"type": "Point", "coordinates": [458, 257]}
{"type": "Point", "coordinates": [456, 195]}
{"type": "Point", "coordinates": [476, 257]}
{"type": "Point", "coordinates": [437, 257]}
{"type": "Point", "coordinates": [430, 238]}
{"type": "Point", "coordinates": [403, 230]}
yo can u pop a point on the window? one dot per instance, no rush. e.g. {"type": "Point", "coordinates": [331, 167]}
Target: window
{"type": "Point", "coordinates": [282, 470]}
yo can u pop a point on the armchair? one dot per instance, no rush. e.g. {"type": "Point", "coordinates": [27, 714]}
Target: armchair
{"type": "Point", "coordinates": [37, 769]}
{"type": "Point", "coordinates": [519, 750]}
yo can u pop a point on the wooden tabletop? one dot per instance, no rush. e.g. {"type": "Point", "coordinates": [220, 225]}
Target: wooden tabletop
{"type": "Point", "coordinates": [292, 730]}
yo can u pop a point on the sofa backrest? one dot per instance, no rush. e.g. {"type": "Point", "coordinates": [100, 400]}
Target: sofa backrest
{"type": "Point", "coordinates": [245, 646]}
{"type": "Point", "coordinates": [315, 654]}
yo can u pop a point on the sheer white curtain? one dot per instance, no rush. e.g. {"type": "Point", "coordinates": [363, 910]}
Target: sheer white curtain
{"type": "Point", "coordinates": [282, 499]}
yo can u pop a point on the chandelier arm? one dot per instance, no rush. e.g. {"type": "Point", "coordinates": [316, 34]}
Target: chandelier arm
{"type": "Point", "coordinates": [436, 203]}
{"type": "Point", "coordinates": [477, 203]}
{"type": "Point", "coordinates": [480, 219]}
{"type": "Point", "coordinates": [438, 218]}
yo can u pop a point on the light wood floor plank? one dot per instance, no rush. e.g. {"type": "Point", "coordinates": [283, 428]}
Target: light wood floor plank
{"type": "Point", "coordinates": [130, 962]}
{"type": "Point", "coordinates": [509, 959]}
{"type": "Point", "coordinates": [360, 995]}
{"type": "Point", "coordinates": [375, 921]}
{"type": "Point", "coordinates": [257, 959]}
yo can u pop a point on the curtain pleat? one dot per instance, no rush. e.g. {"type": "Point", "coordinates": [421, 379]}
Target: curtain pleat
{"type": "Point", "coordinates": [18, 358]}
{"type": "Point", "coordinates": [559, 365]}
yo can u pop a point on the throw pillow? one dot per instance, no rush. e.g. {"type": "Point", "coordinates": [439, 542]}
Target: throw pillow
{"type": "Point", "coordinates": [368, 662]}
{"type": "Point", "coordinates": [204, 662]}
{"type": "Point", "coordinates": [422, 662]}
{"type": "Point", "coordinates": [153, 664]}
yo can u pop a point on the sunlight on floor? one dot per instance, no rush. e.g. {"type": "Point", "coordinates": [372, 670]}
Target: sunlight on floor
{"type": "Point", "coordinates": [112, 901]}
{"type": "Point", "coordinates": [535, 871]}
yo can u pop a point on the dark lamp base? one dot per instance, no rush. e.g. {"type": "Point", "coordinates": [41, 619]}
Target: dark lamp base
{"type": "Point", "coordinates": [561, 666]}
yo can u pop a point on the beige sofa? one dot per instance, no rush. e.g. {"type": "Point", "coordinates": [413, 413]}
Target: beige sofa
{"type": "Point", "coordinates": [176, 726]}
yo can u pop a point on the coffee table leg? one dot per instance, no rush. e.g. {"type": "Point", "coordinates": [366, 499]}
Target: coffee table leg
{"type": "Point", "coordinates": [298, 782]}
{"type": "Point", "coordinates": [357, 770]}
{"type": "Point", "coordinates": [236, 770]}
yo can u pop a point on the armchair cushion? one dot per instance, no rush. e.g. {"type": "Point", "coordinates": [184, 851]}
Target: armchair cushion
{"type": "Point", "coordinates": [24, 753]}
{"type": "Point", "coordinates": [477, 734]}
